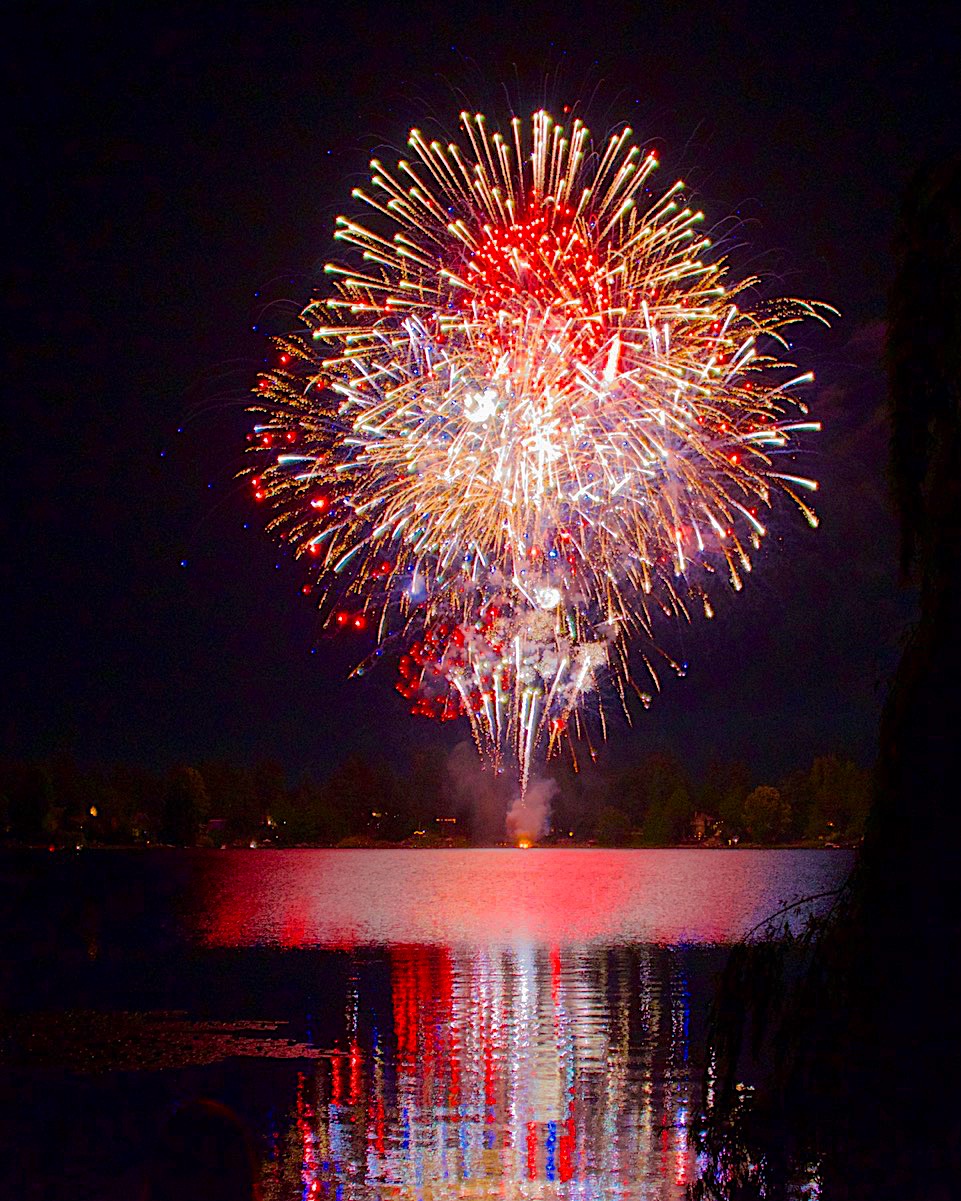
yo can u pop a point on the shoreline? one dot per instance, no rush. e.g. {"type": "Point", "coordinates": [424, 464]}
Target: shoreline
{"type": "Point", "coordinates": [403, 846]}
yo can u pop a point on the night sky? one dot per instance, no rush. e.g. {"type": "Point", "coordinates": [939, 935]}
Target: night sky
{"type": "Point", "coordinates": [174, 182]}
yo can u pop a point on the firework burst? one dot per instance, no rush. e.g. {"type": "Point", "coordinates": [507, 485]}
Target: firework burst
{"type": "Point", "coordinates": [531, 415]}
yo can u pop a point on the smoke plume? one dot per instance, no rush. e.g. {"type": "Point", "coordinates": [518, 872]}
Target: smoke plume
{"type": "Point", "coordinates": [529, 816]}
{"type": "Point", "coordinates": [480, 793]}
{"type": "Point", "coordinates": [488, 799]}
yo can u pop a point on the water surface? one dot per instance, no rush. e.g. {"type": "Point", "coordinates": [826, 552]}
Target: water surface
{"type": "Point", "coordinates": [390, 1024]}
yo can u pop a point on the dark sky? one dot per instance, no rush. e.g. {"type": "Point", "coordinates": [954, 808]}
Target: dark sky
{"type": "Point", "coordinates": [168, 167]}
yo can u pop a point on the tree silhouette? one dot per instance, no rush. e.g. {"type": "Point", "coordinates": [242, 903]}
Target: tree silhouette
{"type": "Point", "coordinates": [766, 814]}
{"type": "Point", "coordinates": [851, 1026]}
{"type": "Point", "coordinates": [30, 805]}
{"type": "Point", "coordinates": [613, 828]}
{"type": "Point", "coordinates": [185, 807]}
{"type": "Point", "coordinates": [924, 371]}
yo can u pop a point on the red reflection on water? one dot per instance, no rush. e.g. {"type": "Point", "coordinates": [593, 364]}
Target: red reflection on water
{"type": "Point", "coordinates": [341, 899]}
{"type": "Point", "coordinates": [506, 1071]}
{"type": "Point", "coordinates": [531, 1150]}
{"type": "Point", "coordinates": [536, 1035]}
{"type": "Point", "coordinates": [568, 1141]}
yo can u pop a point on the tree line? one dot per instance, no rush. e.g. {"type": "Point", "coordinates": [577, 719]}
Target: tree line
{"type": "Point", "coordinates": [655, 801]}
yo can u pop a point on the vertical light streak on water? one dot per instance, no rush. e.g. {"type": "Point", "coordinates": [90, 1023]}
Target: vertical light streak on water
{"type": "Point", "coordinates": [529, 1070]}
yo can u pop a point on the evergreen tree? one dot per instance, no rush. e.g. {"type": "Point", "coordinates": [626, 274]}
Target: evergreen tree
{"type": "Point", "coordinates": [613, 828]}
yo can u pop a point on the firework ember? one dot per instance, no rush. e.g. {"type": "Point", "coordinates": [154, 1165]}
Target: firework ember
{"type": "Point", "coordinates": [532, 416]}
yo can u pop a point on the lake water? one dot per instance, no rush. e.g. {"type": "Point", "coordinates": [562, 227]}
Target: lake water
{"type": "Point", "coordinates": [389, 1024]}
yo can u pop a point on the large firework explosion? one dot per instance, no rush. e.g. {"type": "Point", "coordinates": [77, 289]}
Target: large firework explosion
{"type": "Point", "coordinates": [530, 417]}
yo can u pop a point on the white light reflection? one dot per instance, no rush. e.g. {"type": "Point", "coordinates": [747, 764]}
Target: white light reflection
{"type": "Point", "coordinates": [522, 1071]}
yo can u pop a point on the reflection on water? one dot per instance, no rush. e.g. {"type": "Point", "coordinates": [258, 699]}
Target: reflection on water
{"type": "Point", "coordinates": [517, 1072]}
{"type": "Point", "coordinates": [484, 898]}
{"type": "Point", "coordinates": [537, 1040]}
{"type": "Point", "coordinates": [417, 1025]}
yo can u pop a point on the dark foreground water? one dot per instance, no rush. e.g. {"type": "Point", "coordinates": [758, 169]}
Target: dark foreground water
{"type": "Point", "coordinates": [390, 1024]}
